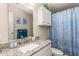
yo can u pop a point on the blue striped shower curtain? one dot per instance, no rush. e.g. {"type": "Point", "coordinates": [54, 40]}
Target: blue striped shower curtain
{"type": "Point", "coordinates": [64, 32]}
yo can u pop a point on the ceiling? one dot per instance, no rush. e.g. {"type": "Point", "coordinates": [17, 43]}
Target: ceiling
{"type": "Point", "coordinates": [53, 7]}
{"type": "Point", "coordinates": [24, 7]}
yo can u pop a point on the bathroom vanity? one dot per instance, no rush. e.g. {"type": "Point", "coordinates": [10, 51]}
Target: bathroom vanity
{"type": "Point", "coordinates": [43, 49]}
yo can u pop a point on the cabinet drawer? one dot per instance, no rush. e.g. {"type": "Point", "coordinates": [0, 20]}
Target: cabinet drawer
{"type": "Point", "coordinates": [46, 51]}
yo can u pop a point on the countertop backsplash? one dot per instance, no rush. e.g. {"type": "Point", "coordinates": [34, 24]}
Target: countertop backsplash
{"type": "Point", "coordinates": [19, 43]}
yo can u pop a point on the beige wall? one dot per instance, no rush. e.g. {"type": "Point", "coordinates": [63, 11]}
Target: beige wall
{"type": "Point", "coordinates": [42, 32]}
{"type": "Point", "coordinates": [3, 23]}
{"type": "Point", "coordinates": [4, 12]}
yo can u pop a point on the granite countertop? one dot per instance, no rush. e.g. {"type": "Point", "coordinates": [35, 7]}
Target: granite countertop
{"type": "Point", "coordinates": [17, 52]}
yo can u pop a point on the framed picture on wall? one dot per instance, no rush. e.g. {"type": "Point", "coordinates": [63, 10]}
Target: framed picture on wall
{"type": "Point", "coordinates": [18, 20]}
{"type": "Point", "coordinates": [24, 21]}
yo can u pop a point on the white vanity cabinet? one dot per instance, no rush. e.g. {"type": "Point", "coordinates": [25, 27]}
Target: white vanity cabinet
{"type": "Point", "coordinates": [44, 17]}
{"type": "Point", "coordinates": [46, 51]}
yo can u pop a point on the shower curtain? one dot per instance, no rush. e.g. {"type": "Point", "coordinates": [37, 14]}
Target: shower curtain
{"type": "Point", "coordinates": [64, 32]}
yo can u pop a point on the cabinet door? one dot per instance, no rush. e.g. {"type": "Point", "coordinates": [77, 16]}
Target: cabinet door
{"type": "Point", "coordinates": [47, 17]}
{"type": "Point", "coordinates": [44, 16]}
{"type": "Point", "coordinates": [45, 51]}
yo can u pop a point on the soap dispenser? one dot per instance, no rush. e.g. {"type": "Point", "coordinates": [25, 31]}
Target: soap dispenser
{"type": "Point", "coordinates": [33, 39]}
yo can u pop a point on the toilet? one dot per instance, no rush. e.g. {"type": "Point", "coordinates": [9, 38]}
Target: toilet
{"type": "Point", "coordinates": [57, 52]}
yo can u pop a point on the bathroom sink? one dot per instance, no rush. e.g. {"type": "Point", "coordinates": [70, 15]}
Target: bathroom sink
{"type": "Point", "coordinates": [29, 47]}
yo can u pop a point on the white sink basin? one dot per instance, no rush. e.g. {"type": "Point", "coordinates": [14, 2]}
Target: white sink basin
{"type": "Point", "coordinates": [29, 47]}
